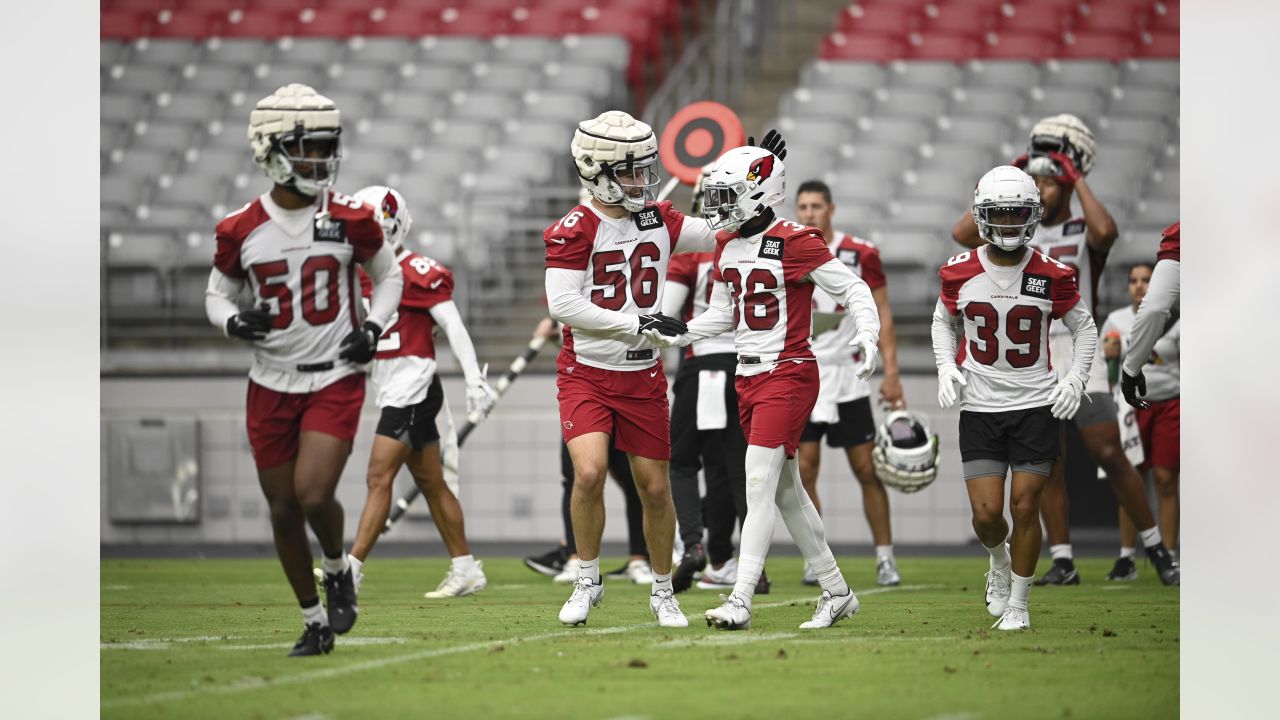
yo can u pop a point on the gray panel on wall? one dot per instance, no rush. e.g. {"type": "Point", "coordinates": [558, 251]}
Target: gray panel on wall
{"type": "Point", "coordinates": [153, 470]}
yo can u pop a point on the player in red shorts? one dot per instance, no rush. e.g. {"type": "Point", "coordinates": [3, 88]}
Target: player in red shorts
{"type": "Point", "coordinates": [1162, 296]}
{"type": "Point", "coordinates": [605, 264]}
{"type": "Point", "coordinates": [765, 272]}
{"type": "Point", "coordinates": [410, 397]}
{"type": "Point", "coordinates": [297, 247]}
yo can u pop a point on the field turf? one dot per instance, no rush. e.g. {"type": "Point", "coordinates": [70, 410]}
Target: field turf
{"type": "Point", "coordinates": [208, 639]}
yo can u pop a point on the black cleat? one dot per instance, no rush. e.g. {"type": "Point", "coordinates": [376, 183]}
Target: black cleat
{"type": "Point", "coordinates": [550, 563]}
{"type": "Point", "coordinates": [693, 561]}
{"type": "Point", "coordinates": [316, 639]}
{"type": "Point", "coordinates": [1124, 569]}
{"type": "Point", "coordinates": [763, 585]}
{"type": "Point", "coordinates": [340, 600]}
{"type": "Point", "coordinates": [1063, 572]}
{"type": "Point", "coordinates": [1160, 556]}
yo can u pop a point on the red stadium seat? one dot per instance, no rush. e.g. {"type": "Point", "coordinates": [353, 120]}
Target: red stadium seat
{"type": "Point", "coordinates": [1166, 17]}
{"type": "Point", "coordinates": [943, 46]}
{"type": "Point", "coordinates": [222, 6]}
{"type": "Point", "coordinates": [550, 23]}
{"type": "Point", "coordinates": [464, 20]}
{"type": "Point", "coordinates": [976, 7]}
{"type": "Point", "coordinates": [1033, 17]}
{"type": "Point", "coordinates": [195, 24]}
{"type": "Point", "coordinates": [401, 22]}
{"type": "Point", "coordinates": [1157, 45]}
{"type": "Point", "coordinates": [880, 48]}
{"type": "Point", "coordinates": [960, 19]}
{"type": "Point", "coordinates": [1036, 47]}
{"type": "Point", "coordinates": [258, 23]}
{"type": "Point", "coordinates": [148, 7]}
{"type": "Point", "coordinates": [125, 25]}
{"type": "Point", "coordinates": [1098, 17]}
{"type": "Point", "coordinates": [880, 19]}
{"type": "Point", "coordinates": [334, 23]}
{"type": "Point", "coordinates": [282, 6]}
{"type": "Point", "coordinates": [1105, 46]}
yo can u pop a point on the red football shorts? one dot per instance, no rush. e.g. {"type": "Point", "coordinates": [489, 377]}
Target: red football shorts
{"type": "Point", "coordinates": [275, 419]}
{"type": "Point", "coordinates": [775, 406]}
{"type": "Point", "coordinates": [630, 405]}
{"type": "Point", "coordinates": [1161, 429]}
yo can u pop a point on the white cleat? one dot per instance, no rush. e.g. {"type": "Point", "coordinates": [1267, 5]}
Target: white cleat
{"type": "Point", "coordinates": [999, 586]}
{"type": "Point", "coordinates": [887, 572]}
{"type": "Point", "coordinates": [732, 615]}
{"type": "Point", "coordinates": [725, 577]}
{"type": "Point", "coordinates": [586, 595]}
{"type": "Point", "coordinates": [665, 607]}
{"type": "Point", "coordinates": [831, 609]}
{"type": "Point", "coordinates": [456, 584]}
{"type": "Point", "coordinates": [570, 572]}
{"type": "Point", "coordinates": [639, 572]}
{"type": "Point", "coordinates": [1014, 619]}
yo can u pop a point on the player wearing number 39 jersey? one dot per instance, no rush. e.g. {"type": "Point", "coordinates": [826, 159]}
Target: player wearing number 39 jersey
{"type": "Point", "coordinates": [1001, 298]}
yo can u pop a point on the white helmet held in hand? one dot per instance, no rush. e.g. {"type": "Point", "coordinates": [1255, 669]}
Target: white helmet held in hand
{"type": "Point", "coordinates": [617, 159]}
{"type": "Point", "coordinates": [1066, 134]}
{"type": "Point", "coordinates": [743, 183]}
{"type": "Point", "coordinates": [391, 210]}
{"type": "Point", "coordinates": [906, 452]}
{"type": "Point", "coordinates": [294, 135]}
{"type": "Point", "coordinates": [1006, 207]}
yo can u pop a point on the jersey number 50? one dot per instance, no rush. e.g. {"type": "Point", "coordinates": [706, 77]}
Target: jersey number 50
{"type": "Point", "coordinates": [272, 280]}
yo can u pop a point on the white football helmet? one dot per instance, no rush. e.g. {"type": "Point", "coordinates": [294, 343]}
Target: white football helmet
{"type": "Point", "coordinates": [391, 210]}
{"type": "Point", "coordinates": [906, 452]}
{"type": "Point", "coordinates": [617, 159]}
{"type": "Point", "coordinates": [743, 183]}
{"type": "Point", "coordinates": [286, 129]}
{"type": "Point", "coordinates": [1066, 134]}
{"type": "Point", "coordinates": [1006, 207]}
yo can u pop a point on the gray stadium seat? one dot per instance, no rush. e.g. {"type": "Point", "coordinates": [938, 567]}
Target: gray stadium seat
{"type": "Point", "coordinates": [114, 217]}
{"type": "Point", "coordinates": [1097, 74]}
{"type": "Point", "coordinates": [424, 186]}
{"type": "Point", "coordinates": [910, 103]}
{"type": "Point", "coordinates": [807, 162]}
{"type": "Point", "coordinates": [193, 189]}
{"type": "Point", "coordinates": [412, 105]}
{"type": "Point", "coordinates": [310, 51]}
{"type": "Point", "coordinates": [391, 52]}
{"type": "Point", "coordinates": [963, 160]}
{"type": "Point", "coordinates": [1145, 102]}
{"type": "Point", "coordinates": [1157, 211]}
{"type": "Point", "coordinates": [454, 50]}
{"type": "Point", "coordinates": [594, 81]}
{"type": "Point", "coordinates": [547, 134]}
{"type": "Point", "coordinates": [893, 131]}
{"type": "Point", "coordinates": [221, 162]}
{"type": "Point", "coordinates": [158, 52]}
{"type": "Point", "coordinates": [552, 105]}
{"type": "Point", "coordinates": [480, 105]}
{"type": "Point", "coordinates": [120, 192]}
{"type": "Point", "coordinates": [188, 107]}
{"type": "Point", "coordinates": [171, 135]}
{"type": "Point", "coordinates": [111, 52]}
{"type": "Point", "coordinates": [1002, 74]}
{"type": "Point", "coordinates": [267, 78]}
{"type": "Point", "coordinates": [143, 163]}
{"type": "Point", "coordinates": [388, 134]}
{"type": "Point", "coordinates": [531, 163]}
{"type": "Point", "coordinates": [927, 249]}
{"type": "Point", "coordinates": [1046, 101]}
{"type": "Point", "coordinates": [529, 51]}
{"type": "Point", "coordinates": [928, 214]}
{"type": "Point", "coordinates": [857, 217]}
{"type": "Point", "coordinates": [1004, 102]}
{"type": "Point", "coordinates": [1127, 158]}
{"type": "Point", "coordinates": [941, 75]}
{"type": "Point", "coordinates": [136, 284]}
{"type": "Point", "coordinates": [172, 218]}
{"type": "Point", "coordinates": [860, 187]}
{"type": "Point", "coordinates": [944, 185]}
{"type": "Point", "coordinates": [1164, 185]}
{"type": "Point", "coordinates": [1134, 246]}
{"type": "Point", "coordinates": [113, 136]}
{"type": "Point", "coordinates": [189, 276]}
{"type": "Point", "coordinates": [854, 75]}
{"type": "Point", "coordinates": [353, 104]}
{"type": "Point", "coordinates": [236, 52]}
{"type": "Point", "coordinates": [141, 80]}
{"type": "Point", "coordinates": [984, 130]}
{"type": "Point", "coordinates": [1116, 185]}
{"type": "Point", "coordinates": [1146, 132]}
{"type": "Point", "coordinates": [818, 134]}
{"type": "Point", "coordinates": [1152, 73]}
{"type": "Point", "coordinates": [432, 79]}
{"type": "Point", "coordinates": [493, 77]}
{"type": "Point", "coordinates": [835, 103]}
{"type": "Point", "coordinates": [610, 50]}
{"type": "Point", "coordinates": [210, 79]}
{"type": "Point", "coordinates": [462, 134]}
{"type": "Point", "coordinates": [883, 160]}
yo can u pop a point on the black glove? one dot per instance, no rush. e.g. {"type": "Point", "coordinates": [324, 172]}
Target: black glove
{"type": "Point", "coordinates": [662, 323]}
{"type": "Point", "coordinates": [1133, 388]}
{"type": "Point", "coordinates": [772, 142]}
{"type": "Point", "coordinates": [361, 345]}
{"type": "Point", "coordinates": [250, 324]}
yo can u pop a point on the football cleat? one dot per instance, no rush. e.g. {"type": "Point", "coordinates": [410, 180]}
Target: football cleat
{"type": "Point", "coordinates": [1124, 569]}
{"type": "Point", "coordinates": [570, 572]}
{"type": "Point", "coordinates": [887, 572]}
{"type": "Point", "coordinates": [1062, 572]}
{"type": "Point", "coordinates": [457, 584]}
{"type": "Point", "coordinates": [763, 585]}
{"type": "Point", "coordinates": [831, 609]}
{"type": "Point", "coordinates": [999, 587]}
{"type": "Point", "coordinates": [639, 572]}
{"type": "Point", "coordinates": [586, 595]}
{"type": "Point", "coordinates": [549, 563]}
{"type": "Point", "coordinates": [1013, 619]}
{"type": "Point", "coordinates": [692, 562]}
{"type": "Point", "coordinates": [724, 578]}
{"type": "Point", "coordinates": [316, 639]}
{"type": "Point", "coordinates": [810, 578]}
{"type": "Point", "coordinates": [340, 600]}
{"type": "Point", "coordinates": [1160, 556]}
{"type": "Point", "coordinates": [665, 607]}
{"type": "Point", "coordinates": [732, 615]}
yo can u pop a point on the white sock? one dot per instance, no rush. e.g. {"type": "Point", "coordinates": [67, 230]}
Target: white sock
{"type": "Point", "coordinates": [829, 575]}
{"type": "Point", "coordinates": [1000, 555]}
{"type": "Point", "coordinates": [660, 582]}
{"type": "Point", "coordinates": [1021, 588]}
{"type": "Point", "coordinates": [1151, 536]}
{"type": "Point", "coordinates": [884, 551]}
{"type": "Point", "coordinates": [763, 469]}
{"type": "Point", "coordinates": [464, 564]}
{"type": "Point", "coordinates": [806, 528]}
{"type": "Point", "coordinates": [1126, 552]}
{"type": "Point", "coordinates": [333, 566]}
{"type": "Point", "coordinates": [357, 565]}
{"type": "Point", "coordinates": [1061, 552]}
{"type": "Point", "coordinates": [315, 615]}
{"type": "Point", "coordinates": [589, 569]}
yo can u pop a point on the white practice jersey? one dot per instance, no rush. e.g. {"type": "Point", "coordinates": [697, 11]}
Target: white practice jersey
{"type": "Point", "coordinates": [1162, 371]}
{"type": "Point", "coordinates": [693, 271]}
{"type": "Point", "coordinates": [1066, 243]}
{"type": "Point", "coordinates": [602, 273]}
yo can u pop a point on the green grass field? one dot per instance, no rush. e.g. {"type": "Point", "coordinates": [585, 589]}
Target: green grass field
{"type": "Point", "coordinates": [208, 639]}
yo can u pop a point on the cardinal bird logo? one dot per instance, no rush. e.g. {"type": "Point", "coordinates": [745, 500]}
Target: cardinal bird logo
{"type": "Point", "coordinates": [760, 169]}
{"type": "Point", "coordinates": [389, 206]}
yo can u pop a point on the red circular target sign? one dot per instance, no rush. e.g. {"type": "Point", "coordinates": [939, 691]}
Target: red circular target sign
{"type": "Point", "coordinates": [696, 135]}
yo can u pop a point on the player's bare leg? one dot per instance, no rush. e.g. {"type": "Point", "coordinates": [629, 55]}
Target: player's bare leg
{"type": "Point", "coordinates": [1055, 512]}
{"type": "Point", "coordinates": [654, 487]}
{"type": "Point", "coordinates": [466, 574]}
{"type": "Point", "coordinates": [986, 502]}
{"type": "Point", "coordinates": [875, 506]}
{"type": "Point", "coordinates": [289, 529]}
{"type": "Point", "coordinates": [319, 464]}
{"type": "Point", "coordinates": [805, 525]}
{"type": "Point", "coordinates": [1024, 507]}
{"type": "Point", "coordinates": [385, 461]}
{"type": "Point", "coordinates": [809, 457]}
{"type": "Point", "coordinates": [1167, 493]}
{"type": "Point", "coordinates": [590, 455]}
{"type": "Point", "coordinates": [1125, 568]}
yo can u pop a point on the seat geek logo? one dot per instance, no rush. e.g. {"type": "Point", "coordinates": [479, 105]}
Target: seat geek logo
{"type": "Point", "coordinates": [771, 247]}
{"type": "Point", "coordinates": [648, 219]}
{"type": "Point", "coordinates": [1036, 285]}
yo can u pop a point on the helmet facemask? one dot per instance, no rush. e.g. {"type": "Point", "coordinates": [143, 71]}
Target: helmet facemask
{"type": "Point", "coordinates": [720, 205]}
{"type": "Point", "coordinates": [1007, 224]}
{"type": "Point", "coordinates": [634, 181]}
{"type": "Point", "coordinates": [308, 159]}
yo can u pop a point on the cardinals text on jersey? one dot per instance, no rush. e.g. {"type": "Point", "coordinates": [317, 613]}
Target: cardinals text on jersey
{"type": "Point", "coordinates": [694, 271]}
{"type": "Point", "coordinates": [1006, 313]}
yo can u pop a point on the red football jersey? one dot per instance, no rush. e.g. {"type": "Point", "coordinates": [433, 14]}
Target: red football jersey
{"type": "Point", "coordinates": [410, 333]}
{"type": "Point", "coordinates": [1171, 243]}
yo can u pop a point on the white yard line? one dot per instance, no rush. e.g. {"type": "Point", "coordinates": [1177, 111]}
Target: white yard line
{"type": "Point", "coordinates": [164, 643]}
{"type": "Point", "coordinates": [345, 643]}
{"type": "Point", "coordinates": [255, 683]}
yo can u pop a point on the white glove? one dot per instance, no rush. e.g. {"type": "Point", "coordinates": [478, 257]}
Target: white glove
{"type": "Point", "coordinates": [666, 341]}
{"type": "Point", "coordinates": [948, 376]}
{"type": "Point", "coordinates": [866, 344]}
{"type": "Point", "coordinates": [480, 397]}
{"type": "Point", "coordinates": [1066, 397]}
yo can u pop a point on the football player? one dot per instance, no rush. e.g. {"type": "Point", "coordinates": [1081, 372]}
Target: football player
{"type": "Point", "coordinates": [765, 272]}
{"type": "Point", "coordinates": [296, 247]}
{"type": "Point", "coordinates": [843, 410]}
{"type": "Point", "coordinates": [1060, 155]}
{"type": "Point", "coordinates": [1159, 426]}
{"type": "Point", "coordinates": [410, 397]}
{"type": "Point", "coordinates": [1001, 298]}
{"type": "Point", "coordinates": [605, 261]}
{"type": "Point", "coordinates": [1162, 296]}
